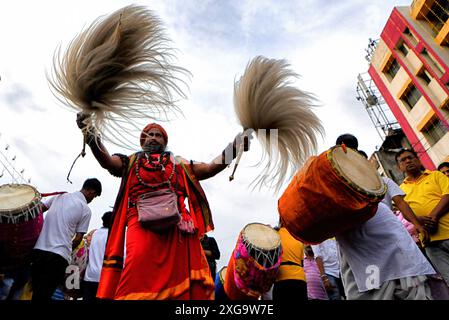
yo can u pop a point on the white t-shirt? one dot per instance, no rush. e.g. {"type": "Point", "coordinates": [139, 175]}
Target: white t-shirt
{"type": "Point", "coordinates": [96, 255]}
{"type": "Point", "coordinates": [382, 245]}
{"type": "Point", "coordinates": [328, 252]}
{"type": "Point", "coordinates": [393, 190]}
{"type": "Point", "coordinates": [68, 214]}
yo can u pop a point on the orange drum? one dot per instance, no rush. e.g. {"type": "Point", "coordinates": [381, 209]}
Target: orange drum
{"type": "Point", "coordinates": [336, 191]}
{"type": "Point", "coordinates": [230, 288]}
{"type": "Point", "coordinates": [254, 263]}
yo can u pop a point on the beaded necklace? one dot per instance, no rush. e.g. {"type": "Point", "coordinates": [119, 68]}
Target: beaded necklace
{"type": "Point", "coordinates": [159, 166]}
{"type": "Point", "coordinates": [156, 165]}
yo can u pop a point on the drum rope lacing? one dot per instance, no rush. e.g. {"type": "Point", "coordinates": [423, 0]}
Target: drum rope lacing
{"type": "Point", "coordinates": [260, 253]}
{"type": "Point", "coordinates": [16, 218]}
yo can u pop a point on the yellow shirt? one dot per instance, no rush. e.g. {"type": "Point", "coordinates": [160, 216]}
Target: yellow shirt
{"type": "Point", "coordinates": [424, 194]}
{"type": "Point", "coordinates": [292, 251]}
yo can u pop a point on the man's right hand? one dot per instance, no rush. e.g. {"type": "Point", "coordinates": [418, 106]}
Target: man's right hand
{"type": "Point", "coordinates": [82, 119]}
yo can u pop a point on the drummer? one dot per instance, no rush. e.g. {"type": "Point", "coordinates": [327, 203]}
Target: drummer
{"type": "Point", "coordinates": [67, 218]}
{"type": "Point", "coordinates": [185, 274]}
{"type": "Point", "coordinates": [374, 255]}
{"type": "Point", "coordinates": [349, 140]}
{"type": "Point", "coordinates": [394, 193]}
{"type": "Point", "coordinates": [380, 261]}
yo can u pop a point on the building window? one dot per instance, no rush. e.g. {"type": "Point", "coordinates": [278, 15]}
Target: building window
{"type": "Point", "coordinates": [438, 15]}
{"type": "Point", "coordinates": [402, 47]}
{"type": "Point", "coordinates": [434, 131]}
{"type": "Point", "coordinates": [445, 110]}
{"type": "Point", "coordinates": [411, 96]}
{"type": "Point", "coordinates": [445, 106]}
{"type": "Point", "coordinates": [410, 37]}
{"type": "Point", "coordinates": [425, 76]}
{"type": "Point", "coordinates": [392, 67]}
{"type": "Point", "coordinates": [432, 61]}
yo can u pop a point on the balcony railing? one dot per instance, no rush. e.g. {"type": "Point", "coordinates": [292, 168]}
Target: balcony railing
{"type": "Point", "coordinates": [420, 8]}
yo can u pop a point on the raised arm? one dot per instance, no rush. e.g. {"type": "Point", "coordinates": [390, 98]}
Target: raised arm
{"type": "Point", "coordinates": [111, 163]}
{"type": "Point", "coordinates": [204, 171]}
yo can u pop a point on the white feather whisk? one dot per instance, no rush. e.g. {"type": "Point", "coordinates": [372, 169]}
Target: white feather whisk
{"type": "Point", "coordinates": [281, 116]}
{"type": "Point", "coordinates": [119, 71]}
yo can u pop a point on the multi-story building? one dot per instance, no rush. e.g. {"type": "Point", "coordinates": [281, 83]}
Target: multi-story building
{"type": "Point", "coordinates": [410, 67]}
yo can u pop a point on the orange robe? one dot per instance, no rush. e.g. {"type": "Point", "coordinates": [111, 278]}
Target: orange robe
{"type": "Point", "coordinates": [158, 265]}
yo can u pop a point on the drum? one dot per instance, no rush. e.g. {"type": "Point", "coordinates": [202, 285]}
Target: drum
{"type": "Point", "coordinates": [336, 191]}
{"type": "Point", "coordinates": [254, 263]}
{"type": "Point", "coordinates": [220, 294]}
{"type": "Point", "coordinates": [21, 222]}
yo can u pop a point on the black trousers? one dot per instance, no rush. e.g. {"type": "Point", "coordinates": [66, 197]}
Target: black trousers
{"type": "Point", "coordinates": [47, 273]}
{"type": "Point", "coordinates": [289, 291]}
{"type": "Point", "coordinates": [90, 290]}
{"type": "Point", "coordinates": [213, 269]}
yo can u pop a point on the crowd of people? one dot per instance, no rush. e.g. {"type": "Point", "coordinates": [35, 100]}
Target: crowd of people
{"type": "Point", "coordinates": [393, 244]}
{"type": "Point", "coordinates": [402, 252]}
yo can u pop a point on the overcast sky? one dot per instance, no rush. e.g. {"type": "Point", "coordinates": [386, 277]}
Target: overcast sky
{"type": "Point", "coordinates": [323, 40]}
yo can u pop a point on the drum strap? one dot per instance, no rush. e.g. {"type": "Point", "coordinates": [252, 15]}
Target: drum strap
{"type": "Point", "coordinates": [52, 193]}
{"type": "Point", "coordinates": [291, 263]}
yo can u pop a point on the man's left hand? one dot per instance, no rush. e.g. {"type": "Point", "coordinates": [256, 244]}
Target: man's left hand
{"type": "Point", "coordinates": [327, 284]}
